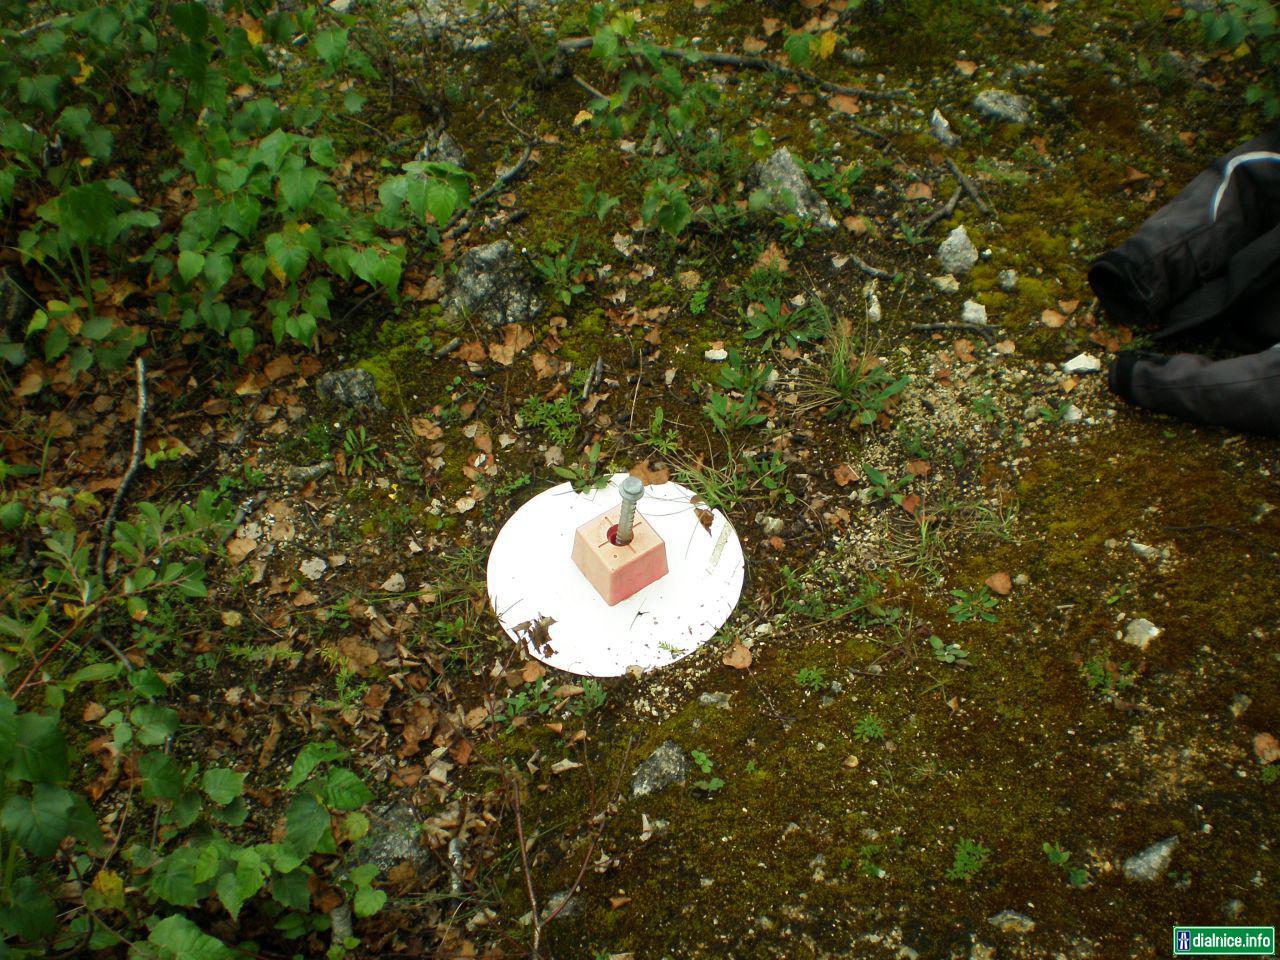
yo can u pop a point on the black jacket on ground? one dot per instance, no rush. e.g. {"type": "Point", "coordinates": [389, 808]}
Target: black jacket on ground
{"type": "Point", "coordinates": [1206, 263]}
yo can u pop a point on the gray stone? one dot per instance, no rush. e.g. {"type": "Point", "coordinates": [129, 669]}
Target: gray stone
{"type": "Point", "coordinates": [1083, 363]}
{"type": "Point", "coordinates": [946, 283]}
{"type": "Point", "coordinates": [1144, 551]}
{"type": "Point", "coordinates": [772, 526]}
{"type": "Point", "coordinates": [1007, 280]}
{"type": "Point", "coordinates": [1141, 632]}
{"type": "Point", "coordinates": [394, 837]}
{"type": "Point", "coordinates": [1010, 921]}
{"type": "Point", "coordinates": [492, 286]}
{"type": "Point", "coordinates": [973, 312]}
{"type": "Point", "coordinates": [1003, 106]}
{"type": "Point", "coordinates": [352, 387]}
{"type": "Point", "coordinates": [1150, 865]}
{"type": "Point", "coordinates": [790, 191]}
{"type": "Point", "coordinates": [715, 354]}
{"type": "Point", "coordinates": [719, 699]}
{"type": "Point", "coordinates": [941, 129]}
{"type": "Point", "coordinates": [665, 766]}
{"type": "Point", "coordinates": [957, 254]}
{"type": "Point", "coordinates": [442, 148]}
{"type": "Point", "coordinates": [1072, 414]}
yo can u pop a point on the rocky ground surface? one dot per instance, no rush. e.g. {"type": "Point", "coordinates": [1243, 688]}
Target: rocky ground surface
{"type": "Point", "coordinates": [1003, 679]}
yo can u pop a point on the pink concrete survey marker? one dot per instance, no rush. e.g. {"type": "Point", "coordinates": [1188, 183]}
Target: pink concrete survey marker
{"type": "Point", "coordinates": [627, 576]}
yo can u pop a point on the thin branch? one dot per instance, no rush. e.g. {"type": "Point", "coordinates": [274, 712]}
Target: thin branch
{"type": "Point", "coordinates": [138, 423]}
{"type": "Point", "coordinates": [970, 188]}
{"type": "Point", "coordinates": [574, 44]}
{"type": "Point", "coordinates": [868, 269]}
{"type": "Point", "coordinates": [462, 223]}
{"type": "Point", "coordinates": [944, 211]}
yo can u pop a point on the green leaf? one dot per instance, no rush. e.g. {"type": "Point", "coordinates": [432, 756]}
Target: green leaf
{"type": "Point", "coordinates": [161, 776]}
{"type": "Point", "coordinates": [30, 914]}
{"type": "Point", "coordinates": [39, 822]}
{"type": "Point", "coordinates": [368, 901]}
{"type": "Point", "coordinates": [191, 18]}
{"type": "Point", "coordinates": [353, 102]}
{"type": "Point", "coordinates": [155, 724]}
{"type": "Point", "coordinates": [173, 878]}
{"type": "Point", "coordinates": [297, 187]}
{"type": "Point", "coordinates": [190, 264]}
{"type": "Point", "coordinates": [310, 757]}
{"type": "Point", "coordinates": [343, 790]}
{"type": "Point", "coordinates": [180, 939]}
{"type": "Point", "coordinates": [39, 751]}
{"type": "Point", "coordinates": [218, 270]}
{"type": "Point", "coordinates": [288, 252]}
{"type": "Point", "coordinates": [222, 785]}
{"type": "Point", "coordinates": [12, 514]}
{"type": "Point", "coordinates": [331, 45]}
{"type": "Point", "coordinates": [292, 889]}
{"type": "Point", "coordinates": [441, 201]}
{"type": "Point", "coordinates": [306, 824]}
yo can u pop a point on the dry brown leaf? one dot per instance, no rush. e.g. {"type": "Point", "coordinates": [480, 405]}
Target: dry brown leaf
{"type": "Point", "coordinates": [532, 671]}
{"type": "Point", "coordinates": [843, 103]}
{"type": "Point", "coordinates": [1068, 306]}
{"type": "Point", "coordinates": [844, 475]}
{"type": "Point", "coordinates": [238, 548]}
{"type": "Point", "coordinates": [966, 68]}
{"type": "Point", "coordinates": [1042, 30]}
{"type": "Point", "coordinates": [738, 657]}
{"type": "Point", "coordinates": [919, 191]}
{"type": "Point", "coordinates": [772, 258]}
{"type": "Point", "coordinates": [514, 339]}
{"type": "Point", "coordinates": [857, 225]}
{"type": "Point", "coordinates": [279, 367]}
{"type": "Point", "coordinates": [649, 475]}
{"type": "Point", "coordinates": [472, 352]}
{"type": "Point", "coordinates": [1052, 318]}
{"type": "Point", "coordinates": [999, 583]}
{"type": "Point", "coordinates": [1266, 748]}
{"type": "Point", "coordinates": [919, 468]}
{"type": "Point", "coordinates": [911, 503]}
{"type": "Point", "coordinates": [771, 26]}
{"type": "Point", "coordinates": [753, 45]}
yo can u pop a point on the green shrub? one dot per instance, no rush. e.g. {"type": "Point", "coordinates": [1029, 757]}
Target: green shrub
{"type": "Point", "coordinates": [244, 215]}
{"type": "Point", "coordinates": [1251, 25]}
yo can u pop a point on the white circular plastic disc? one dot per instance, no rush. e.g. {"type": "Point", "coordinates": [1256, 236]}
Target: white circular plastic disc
{"type": "Point", "coordinates": [547, 606]}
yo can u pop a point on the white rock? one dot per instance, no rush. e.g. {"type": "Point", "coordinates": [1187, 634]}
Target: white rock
{"type": "Point", "coordinates": [957, 254]}
{"type": "Point", "coordinates": [973, 312]}
{"type": "Point", "coordinates": [1151, 863]}
{"type": "Point", "coordinates": [715, 354]}
{"type": "Point", "coordinates": [946, 283]}
{"type": "Point", "coordinates": [313, 568]}
{"type": "Point", "coordinates": [1072, 414]}
{"type": "Point", "coordinates": [1007, 280]}
{"type": "Point", "coordinates": [1083, 363]}
{"type": "Point", "coordinates": [941, 129]}
{"type": "Point", "coordinates": [1141, 632]}
{"type": "Point", "coordinates": [394, 583]}
{"type": "Point", "coordinates": [1144, 551]}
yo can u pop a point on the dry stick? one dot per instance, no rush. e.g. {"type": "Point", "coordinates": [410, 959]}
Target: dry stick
{"type": "Point", "coordinates": [138, 423]}
{"type": "Point", "coordinates": [869, 270]}
{"type": "Point", "coordinates": [944, 211]}
{"type": "Point", "coordinates": [462, 223]}
{"type": "Point", "coordinates": [984, 208]}
{"type": "Point", "coordinates": [599, 95]}
{"type": "Point", "coordinates": [979, 329]}
{"type": "Point", "coordinates": [574, 44]}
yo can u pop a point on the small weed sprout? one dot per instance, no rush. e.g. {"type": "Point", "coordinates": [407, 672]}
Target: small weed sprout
{"type": "Point", "coordinates": [1106, 677]}
{"type": "Point", "coordinates": [973, 605]}
{"type": "Point", "coordinates": [970, 857]}
{"type": "Point", "coordinates": [704, 763]}
{"type": "Point", "coordinates": [562, 271]}
{"type": "Point", "coordinates": [869, 728]}
{"type": "Point", "coordinates": [557, 419]}
{"type": "Point", "coordinates": [361, 451]}
{"type": "Point", "coordinates": [947, 652]}
{"type": "Point", "coordinates": [811, 678]}
{"type": "Point", "coordinates": [585, 475]}
{"type": "Point", "coordinates": [1076, 876]}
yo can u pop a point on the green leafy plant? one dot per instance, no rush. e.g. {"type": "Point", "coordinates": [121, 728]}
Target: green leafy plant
{"type": "Point", "coordinates": [558, 419]}
{"type": "Point", "coordinates": [850, 382]}
{"type": "Point", "coordinates": [884, 488]}
{"type": "Point", "coordinates": [245, 218]}
{"type": "Point", "coordinates": [1076, 876]}
{"type": "Point", "coordinates": [704, 763]}
{"type": "Point", "coordinates": [811, 678]}
{"type": "Point", "coordinates": [1251, 24]}
{"type": "Point", "coordinates": [562, 271]}
{"type": "Point", "coordinates": [735, 407]}
{"type": "Point", "coordinates": [1104, 676]}
{"type": "Point", "coordinates": [947, 652]}
{"type": "Point", "coordinates": [585, 474]}
{"type": "Point", "coordinates": [698, 300]}
{"type": "Point", "coordinates": [868, 729]}
{"type": "Point", "coordinates": [973, 605]}
{"type": "Point", "coordinates": [970, 857]}
{"type": "Point", "coordinates": [595, 202]}
{"type": "Point", "coordinates": [361, 450]}
{"type": "Point", "coordinates": [773, 321]}
{"type": "Point", "coordinates": [660, 438]}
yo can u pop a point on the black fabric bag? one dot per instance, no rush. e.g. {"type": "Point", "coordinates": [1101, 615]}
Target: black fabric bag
{"type": "Point", "coordinates": [1206, 263]}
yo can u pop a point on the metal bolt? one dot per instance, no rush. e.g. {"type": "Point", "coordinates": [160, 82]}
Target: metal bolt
{"type": "Point", "coordinates": [632, 491]}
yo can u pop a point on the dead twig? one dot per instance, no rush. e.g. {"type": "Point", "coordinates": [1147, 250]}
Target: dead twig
{"type": "Point", "coordinates": [462, 223]}
{"type": "Point", "coordinates": [978, 329]}
{"type": "Point", "coordinates": [574, 44]}
{"type": "Point", "coordinates": [139, 422]}
{"type": "Point", "coordinates": [944, 211]}
{"type": "Point", "coordinates": [868, 269]}
{"type": "Point", "coordinates": [599, 95]}
{"type": "Point", "coordinates": [970, 188]}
